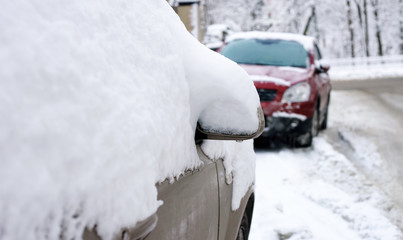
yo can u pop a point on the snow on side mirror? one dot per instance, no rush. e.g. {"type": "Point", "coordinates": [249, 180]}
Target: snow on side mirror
{"type": "Point", "coordinates": [221, 134]}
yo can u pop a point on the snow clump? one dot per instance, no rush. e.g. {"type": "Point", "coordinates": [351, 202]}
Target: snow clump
{"type": "Point", "coordinates": [99, 101]}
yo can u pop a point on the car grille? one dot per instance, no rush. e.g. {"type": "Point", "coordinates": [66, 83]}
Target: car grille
{"type": "Point", "coordinates": [266, 94]}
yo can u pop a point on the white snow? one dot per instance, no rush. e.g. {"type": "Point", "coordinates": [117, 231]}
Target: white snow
{"type": "Point", "coordinates": [365, 73]}
{"type": "Point", "coordinates": [294, 69]}
{"type": "Point", "coordinates": [216, 30]}
{"type": "Point", "coordinates": [316, 194]}
{"type": "Point", "coordinates": [239, 161]}
{"type": "Point", "coordinates": [263, 78]}
{"type": "Point", "coordinates": [305, 41]}
{"type": "Point", "coordinates": [213, 37]}
{"type": "Point", "coordinates": [393, 99]}
{"type": "Point", "coordinates": [214, 45]}
{"type": "Point", "coordinates": [290, 115]}
{"type": "Point", "coordinates": [99, 101]}
{"type": "Point", "coordinates": [341, 188]}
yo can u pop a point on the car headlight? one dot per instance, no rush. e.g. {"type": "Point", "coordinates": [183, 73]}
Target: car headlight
{"type": "Point", "coordinates": [297, 93]}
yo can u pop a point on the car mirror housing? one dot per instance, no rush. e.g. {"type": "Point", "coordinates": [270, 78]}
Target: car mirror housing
{"type": "Point", "coordinates": [219, 134]}
{"type": "Point", "coordinates": [325, 68]}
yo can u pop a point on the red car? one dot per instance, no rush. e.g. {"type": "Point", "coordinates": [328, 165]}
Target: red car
{"type": "Point", "coordinates": [294, 87]}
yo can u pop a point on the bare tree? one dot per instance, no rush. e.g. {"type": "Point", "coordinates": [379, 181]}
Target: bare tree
{"type": "Point", "coordinates": [350, 28]}
{"type": "Point", "coordinates": [375, 6]}
{"type": "Point", "coordinates": [366, 29]}
{"type": "Point", "coordinates": [401, 25]}
{"type": "Point", "coordinates": [308, 22]}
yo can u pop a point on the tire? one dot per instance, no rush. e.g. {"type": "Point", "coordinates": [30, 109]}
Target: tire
{"type": "Point", "coordinates": [305, 140]}
{"type": "Point", "coordinates": [323, 125]}
{"type": "Point", "coordinates": [315, 123]}
{"type": "Point", "coordinates": [243, 231]}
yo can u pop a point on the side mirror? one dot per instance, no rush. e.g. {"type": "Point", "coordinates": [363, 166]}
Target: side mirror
{"type": "Point", "coordinates": [322, 68]}
{"type": "Point", "coordinates": [325, 68]}
{"type": "Point", "coordinates": [217, 134]}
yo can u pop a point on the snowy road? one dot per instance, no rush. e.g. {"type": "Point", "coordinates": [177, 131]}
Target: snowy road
{"type": "Point", "coordinates": [386, 97]}
{"type": "Point", "coordinates": [349, 185]}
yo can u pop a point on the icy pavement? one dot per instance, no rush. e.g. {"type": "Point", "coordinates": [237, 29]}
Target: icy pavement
{"type": "Point", "coordinates": [339, 189]}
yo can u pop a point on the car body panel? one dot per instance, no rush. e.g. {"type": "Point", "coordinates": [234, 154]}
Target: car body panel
{"type": "Point", "coordinates": [196, 205]}
{"type": "Point", "coordinates": [291, 77]}
{"type": "Point", "coordinates": [324, 89]}
{"type": "Point", "coordinates": [230, 220]}
{"type": "Point", "coordinates": [190, 205]}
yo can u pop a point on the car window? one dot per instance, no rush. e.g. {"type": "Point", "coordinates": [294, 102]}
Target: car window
{"type": "Point", "coordinates": [272, 52]}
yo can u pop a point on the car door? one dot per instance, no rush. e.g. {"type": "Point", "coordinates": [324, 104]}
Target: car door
{"type": "Point", "coordinates": [190, 207]}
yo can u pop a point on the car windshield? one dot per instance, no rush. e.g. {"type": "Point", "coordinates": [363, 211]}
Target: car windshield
{"type": "Point", "coordinates": [272, 52]}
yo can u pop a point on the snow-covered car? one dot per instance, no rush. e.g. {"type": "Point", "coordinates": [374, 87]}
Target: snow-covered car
{"type": "Point", "coordinates": [294, 87]}
{"type": "Point", "coordinates": [106, 136]}
{"type": "Point", "coordinates": [215, 36]}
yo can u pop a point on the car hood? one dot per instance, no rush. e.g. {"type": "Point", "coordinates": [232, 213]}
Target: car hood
{"type": "Point", "coordinates": [282, 76]}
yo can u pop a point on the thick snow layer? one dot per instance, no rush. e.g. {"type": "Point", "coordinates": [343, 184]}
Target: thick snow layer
{"type": "Point", "coordinates": [99, 101]}
{"type": "Point", "coordinates": [305, 41]}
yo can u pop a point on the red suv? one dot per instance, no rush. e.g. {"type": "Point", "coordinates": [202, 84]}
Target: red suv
{"type": "Point", "coordinates": [294, 87]}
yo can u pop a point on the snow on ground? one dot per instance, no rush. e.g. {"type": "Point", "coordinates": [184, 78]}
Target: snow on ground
{"type": "Point", "coordinates": [369, 131]}
{"type": "Point", "coordinates": [366, 72]}
{"type": "Point", "coordinates": [322, 192]}
{"type": "Point", "coordinates": [393, 99]}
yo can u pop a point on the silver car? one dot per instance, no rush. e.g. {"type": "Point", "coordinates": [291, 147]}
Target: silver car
{"type": "Point", "coordinates": [197, 205]}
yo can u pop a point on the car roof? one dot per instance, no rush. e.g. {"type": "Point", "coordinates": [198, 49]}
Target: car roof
{"type": "Point", "coordinates": [306, 41]}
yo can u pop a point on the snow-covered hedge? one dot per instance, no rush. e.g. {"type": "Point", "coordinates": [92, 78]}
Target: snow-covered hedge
{"type": "Point", "coordinates": [99, 101]}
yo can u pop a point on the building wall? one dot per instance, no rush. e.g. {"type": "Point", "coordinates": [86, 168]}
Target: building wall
{"type": "Point", "coordinates": [190, 14]}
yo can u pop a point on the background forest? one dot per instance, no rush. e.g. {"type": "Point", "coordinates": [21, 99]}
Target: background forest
{"type": "Point", "coordinates": [345, 28]}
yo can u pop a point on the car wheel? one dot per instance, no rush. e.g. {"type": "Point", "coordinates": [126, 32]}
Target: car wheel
{"type": "Point", "coordinates": [323, 125]}
{"type": "Point", "coordinates": [243, 231]}
{"type": "Point", "coordinates": [315, 123]}
{"type": "Point", "coordinates": [305, 140]}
